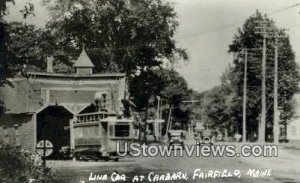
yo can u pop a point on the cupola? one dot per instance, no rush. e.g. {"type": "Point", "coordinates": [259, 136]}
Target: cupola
{"type": "Point", "coordinates": [83, 64]}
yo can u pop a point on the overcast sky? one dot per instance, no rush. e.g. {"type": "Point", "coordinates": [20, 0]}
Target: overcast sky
{"type": "Point", "coordinates": [207, 28]}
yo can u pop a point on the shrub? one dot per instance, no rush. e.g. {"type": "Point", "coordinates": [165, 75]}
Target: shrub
{"type": "Point", "coordinates": [21, 166]}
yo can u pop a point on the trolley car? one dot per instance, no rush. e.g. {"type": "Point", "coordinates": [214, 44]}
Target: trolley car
{"type": "Point", "coordinates": [94, 136]}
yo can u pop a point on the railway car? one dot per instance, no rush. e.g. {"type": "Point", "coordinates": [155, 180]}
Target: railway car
{"type": "Point", "coordinates": [94, 136]}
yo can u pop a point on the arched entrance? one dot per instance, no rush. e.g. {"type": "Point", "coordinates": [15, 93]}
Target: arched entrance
{"type": "Point", "coordinates": [53, 125]}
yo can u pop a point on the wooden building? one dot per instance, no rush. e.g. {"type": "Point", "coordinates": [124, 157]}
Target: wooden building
{"type": "Point", "coordinates": [41, 105]}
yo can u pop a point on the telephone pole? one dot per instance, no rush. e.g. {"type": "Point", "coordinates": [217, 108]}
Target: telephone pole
{"type": "Point", "coordinates": [262, 125]}
{"type": "Point", "coordinates": [245, 97]}
{"type": "Point", "coordinates": [276, 113]}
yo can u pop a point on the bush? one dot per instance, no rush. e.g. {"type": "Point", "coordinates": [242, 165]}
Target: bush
{"type": "Point", "coordinates": [20, 166]}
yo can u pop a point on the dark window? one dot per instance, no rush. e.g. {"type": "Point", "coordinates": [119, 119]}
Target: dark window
{"type": "Point", "coordinates": [121, 130]}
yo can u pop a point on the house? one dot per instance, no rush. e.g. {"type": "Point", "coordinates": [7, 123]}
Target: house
{"type": "Point", "coordinates": [41, 105]}
{"type": "Point", "coordinates": [293, 126]}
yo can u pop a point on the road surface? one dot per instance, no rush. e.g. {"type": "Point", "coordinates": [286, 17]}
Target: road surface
{"type": "Point", "coordinates": [283, 169]}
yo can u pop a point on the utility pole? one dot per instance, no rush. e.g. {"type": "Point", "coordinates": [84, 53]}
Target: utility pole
{"type": "Point", "coordinates": [275, 113]}
{"type": "Point", "coordinates": [262, 125]}
{"type": "Point", "coordinates": [169, 119]}
{"type": "Point", "coordinates": [245, 97]}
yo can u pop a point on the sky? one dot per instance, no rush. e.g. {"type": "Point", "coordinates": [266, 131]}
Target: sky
{"type": "Point", "coordinates": [206, 28]}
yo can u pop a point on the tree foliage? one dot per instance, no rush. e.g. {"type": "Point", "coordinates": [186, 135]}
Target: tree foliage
{"type": "Point", "coordinates": [3, 38]}
{"type": "Point", "coordinates": [170, 86]}
{"type": "Point", "coordinates": [232, 80]}
{"type": "Point", "coordinates": [217, 109]}
{"type": "Point", "coordinates": [119, 36]}
{"type": "Point", "coordinates": [22, 166]}
{"type": "Point", "coordinates": [287, 68]}
{"type": "Point", "coordinates": [174, 94]}
{"type": "Point", "coordinates": [8, 66]}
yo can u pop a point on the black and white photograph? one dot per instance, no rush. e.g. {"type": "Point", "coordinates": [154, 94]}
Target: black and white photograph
{"type": "Point", "coordinates": [133, 91]}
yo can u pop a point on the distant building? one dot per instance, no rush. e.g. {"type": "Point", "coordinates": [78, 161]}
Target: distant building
{"type": "Point", "coordinates": [41, 105]}
{"type": "Point", "coordinates": [293, 126]}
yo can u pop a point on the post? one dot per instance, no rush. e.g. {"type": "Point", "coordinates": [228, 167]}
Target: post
{"type": "Point", "coordinates": [71, 133]}
{"type": "Point", "coordinates": [156, 130]}
{"type": "Point", "coordinates": [44, 153]}
{"type": "Point", "coordinates": [169, 120]}
{"type": "Point", "coordinates": [262, 126]}
{"type": "Point", "coordinates": [72, 144]}
{"type": "Point", "coordinates": [245, 98]}
{"type": "Point", "coordinates": [276, 114]}
{"type": "Point", "coordinates": [27, 97]}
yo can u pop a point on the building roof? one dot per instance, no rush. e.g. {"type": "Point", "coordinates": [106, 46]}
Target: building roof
{"type": "Point", "coordinates": [76, 76]}
{"type": "Point", "coordinates": [83, 60]}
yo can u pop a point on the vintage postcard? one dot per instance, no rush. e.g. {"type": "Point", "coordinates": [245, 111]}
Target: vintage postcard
{"type": "Point", "coordinates": [96, 91]}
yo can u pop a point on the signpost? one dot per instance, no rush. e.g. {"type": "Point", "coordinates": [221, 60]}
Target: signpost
{"type": "Point", "coordinates": [44, 148]}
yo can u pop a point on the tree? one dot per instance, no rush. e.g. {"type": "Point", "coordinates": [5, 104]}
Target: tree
{"type": "Point", "coordinates": [170, 86]}
{"type": "Point", "coordinates": [134, 37]}
{"type": "Point", "coordinates": [176, 88]}
{"type": "Point", "coordinates": [120, 36]}
{"type": "Point", "coordinates": [144, 87]}
{"type": "Point", "coordinates": [174, 93]}
{"type": "Point", "coordinates": [3, 39]}
{"type": "Point", "coordinates": [216, 110]}
{"type": "Point", "coordinates": [5, 70]}
{"type": "Point", "coordinates": [288, 77]}
{"type": "Point", "coordinates": [6, 30]}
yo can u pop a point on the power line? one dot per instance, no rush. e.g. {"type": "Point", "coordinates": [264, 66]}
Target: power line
{"type": "Point", "coordinates": [216, 29]}
{"type": "Point", "coordinates": [226, 26]}
{"type": "Point", "coordinates": [284, 9]}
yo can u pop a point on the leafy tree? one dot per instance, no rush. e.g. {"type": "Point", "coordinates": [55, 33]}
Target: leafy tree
{"type": "Point", "coordinates": [288, 74]}
{"type": "Point", "coordinates": [221, 107]}
{"type": "Point", "coordinates": [174, 93]}
{"type": "Point", "coordinates": [3, 38]}
{"type": "Point", "coordinates": [3, 47]}
{"type": "Point", "coordinates": [24, 50]}
{"type": "Point", "coordinates": [6, 30]}
{"type": "Point", "coordinates": [123, 36]}
{"type": "Point", "coordinates": [216, 110]}
{"type": "Point", "coordinates": [144, 87]}
{"type": "Point", "coordinates": [170, 86]}
{"type": "Point", "coordinates": [176, 88]}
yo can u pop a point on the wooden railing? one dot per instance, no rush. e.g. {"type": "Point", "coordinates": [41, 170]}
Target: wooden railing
{"type": "Point", "coordinates": [91, 117]}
